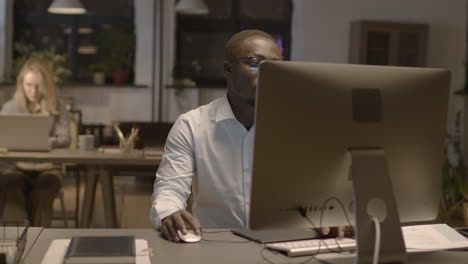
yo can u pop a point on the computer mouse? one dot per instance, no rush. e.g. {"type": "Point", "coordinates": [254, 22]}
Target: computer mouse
{"type": "Point", "coordinates": [190, 237]}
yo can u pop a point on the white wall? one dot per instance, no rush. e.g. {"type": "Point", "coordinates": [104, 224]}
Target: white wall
{"type": "Point", "coordinates": [103, 105]}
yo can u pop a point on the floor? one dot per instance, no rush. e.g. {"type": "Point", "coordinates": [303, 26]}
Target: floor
{"type": "Point", "coordinates": [133, 201]}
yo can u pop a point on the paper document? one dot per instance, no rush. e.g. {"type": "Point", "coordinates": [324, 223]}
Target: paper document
{"type": "Point", "coordinates": [57, 249]}
{"type": "Point", "coordinates": [432, 238]}
{"type": "Point", "coordinates": [418, 238]}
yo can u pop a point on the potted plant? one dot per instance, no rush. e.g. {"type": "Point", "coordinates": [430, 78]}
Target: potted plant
{"type": "Point", "coordinates": [454, 184]}
{"type": "Point", "coordinates": [99, 71]}
{"type": "Point", "coordinates": [57, 62]}
{"type": "Point", "coordinates": [116, 47]}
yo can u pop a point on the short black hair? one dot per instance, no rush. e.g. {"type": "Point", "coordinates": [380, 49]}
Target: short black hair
{"type": "Point", "coordinates": [236, 40]}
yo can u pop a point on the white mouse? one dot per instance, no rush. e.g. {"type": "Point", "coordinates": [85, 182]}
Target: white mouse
{"type": "Point", "coordinates": [190, 237]}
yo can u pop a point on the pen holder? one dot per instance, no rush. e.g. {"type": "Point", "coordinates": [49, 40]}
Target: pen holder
{"type": "Point", "coordinates": [126, 146]}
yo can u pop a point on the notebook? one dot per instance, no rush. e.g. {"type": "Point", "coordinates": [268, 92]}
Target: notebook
{"type": "Point", "coordinates": [24, 132]}
{"type": "Point", "coordinates": [101, 249]}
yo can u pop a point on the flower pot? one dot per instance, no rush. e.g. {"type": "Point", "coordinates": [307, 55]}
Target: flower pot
{"type": "Point", "coordinates": [120, 75]}
{"type": "Point", "coordinates": [99, 78]}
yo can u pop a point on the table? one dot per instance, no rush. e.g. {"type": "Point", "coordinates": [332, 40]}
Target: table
{"type": "Point", "coordinates": [217, 246]}
{"type": "Point", "coordinates": [102, 163]}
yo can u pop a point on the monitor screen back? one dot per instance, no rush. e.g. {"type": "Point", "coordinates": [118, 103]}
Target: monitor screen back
{"type": "Point", "coordinates": [310, 114]}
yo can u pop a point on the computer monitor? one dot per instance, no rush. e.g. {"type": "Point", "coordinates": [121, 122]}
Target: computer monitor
{"type": "Point", "coordinates": [314, 119]}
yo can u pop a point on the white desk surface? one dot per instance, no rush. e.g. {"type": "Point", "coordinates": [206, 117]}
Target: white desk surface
{"type": "Point", "coordinates": [222, 247]}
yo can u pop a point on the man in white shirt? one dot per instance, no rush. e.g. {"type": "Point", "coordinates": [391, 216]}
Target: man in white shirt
{"type": "Point", "coordinates": [209, 150]}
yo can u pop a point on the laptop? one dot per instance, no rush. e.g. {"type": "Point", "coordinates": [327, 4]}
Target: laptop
{"type": "Point", "coordinates": [24, 132]}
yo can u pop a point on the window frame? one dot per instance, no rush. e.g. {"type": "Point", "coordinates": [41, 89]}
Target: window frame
{"type": "Point", "coordinates": [232, 24]}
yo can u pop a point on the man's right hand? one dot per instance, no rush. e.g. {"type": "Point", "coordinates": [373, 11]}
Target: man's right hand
{"type": "Point", "coordinates": [180, 220]}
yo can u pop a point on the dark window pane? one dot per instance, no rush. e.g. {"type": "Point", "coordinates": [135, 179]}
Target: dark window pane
{"type": "Point", "coordinates": [101, 39]}
{"type": "Point", "coordinates": [203, 55]}
{"type": "Point", "coordinates": [378, 48]}
{"type": "Point", "coordinates": [219, 8]}
{"type": "Point", "coordinates": [108, 7]}
{"type": "Point", "coordinates": [201, 39]}
{"type": "Point", "coordinates": [408, 49]}
{"type": "Point", "coordinates": [265, 9]}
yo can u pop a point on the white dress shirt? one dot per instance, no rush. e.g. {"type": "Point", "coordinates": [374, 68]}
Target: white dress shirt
{"type": "Point", "coordinates": [209, 153]}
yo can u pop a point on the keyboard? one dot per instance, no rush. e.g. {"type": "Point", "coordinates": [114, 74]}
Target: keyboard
{"type": "Point", "coordinates": [314, 246]}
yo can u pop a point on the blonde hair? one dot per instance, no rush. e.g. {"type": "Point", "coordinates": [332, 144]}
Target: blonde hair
{"type": "Point", "coordinates": [47, 88]}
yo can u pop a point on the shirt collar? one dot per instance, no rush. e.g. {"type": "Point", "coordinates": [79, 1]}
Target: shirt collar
{"type": "Point", "coordinates": [224, 110]}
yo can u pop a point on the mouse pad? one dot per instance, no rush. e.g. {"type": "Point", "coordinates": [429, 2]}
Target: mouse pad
{"type": "Point", "coordinates": [276, 235]}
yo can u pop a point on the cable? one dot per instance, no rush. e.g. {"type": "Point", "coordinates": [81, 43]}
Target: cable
{"type": "Point", "coordinates": [320, 235]}
{"type": "Point", "coordinates": [217, 231]}
{"type": "Point", "coordinates": [303, 212]}
{"type": "Point", "coordinates": [377, 240]}
{"type": "Point", "coordinates": [225, 241]}
{"type": "Point", "coordinates": [221, 241]}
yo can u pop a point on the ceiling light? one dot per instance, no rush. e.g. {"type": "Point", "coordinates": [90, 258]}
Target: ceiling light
{"type": "Point", "coordinates": [191, 7]}
{"type": "Point", "coordinates": [67, 7]}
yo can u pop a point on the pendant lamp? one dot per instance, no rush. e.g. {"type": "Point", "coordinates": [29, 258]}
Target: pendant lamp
{"type": "Point", "coordinates": [68, 7]}
{"type": "Point", "coordinates": [191, 7]}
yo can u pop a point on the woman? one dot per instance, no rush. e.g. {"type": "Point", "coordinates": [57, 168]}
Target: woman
{"type": "Point", "coordinates": [29, 188]}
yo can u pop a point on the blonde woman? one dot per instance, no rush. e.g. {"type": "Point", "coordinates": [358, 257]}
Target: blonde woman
{"type": "Point", "coordinates": [29, 188]}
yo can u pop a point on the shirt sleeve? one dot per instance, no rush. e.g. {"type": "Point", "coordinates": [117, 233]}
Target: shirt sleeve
{"type": "Point", "coordinates": [173, 181]}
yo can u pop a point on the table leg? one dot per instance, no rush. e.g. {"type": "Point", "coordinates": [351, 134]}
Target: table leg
{"type": "Point", "coordinates": [78, 173]}
{"type": "Point", "coordinates": [88, 199]}
{"type": "Point", "coordinates": [108, 198]}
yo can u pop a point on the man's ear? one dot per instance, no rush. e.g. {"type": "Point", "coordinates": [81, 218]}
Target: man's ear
{"type": "Point", "coordinates": [227, 68]}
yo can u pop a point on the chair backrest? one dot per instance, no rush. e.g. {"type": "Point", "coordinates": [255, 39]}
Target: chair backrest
{"type": "Point", "coordinates": [151, 134]}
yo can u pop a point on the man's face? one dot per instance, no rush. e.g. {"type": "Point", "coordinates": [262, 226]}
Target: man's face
{"type": "Point", "coordinates": [31, 83]}
{"type": "Point", "coordinates": [241, 72]}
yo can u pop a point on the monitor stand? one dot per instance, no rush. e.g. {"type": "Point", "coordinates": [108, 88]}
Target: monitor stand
{"type": "Point", "coordinates": [373, 196]}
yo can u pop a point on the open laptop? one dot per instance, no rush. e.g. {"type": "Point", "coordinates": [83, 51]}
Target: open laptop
{"type": "Point", "coordinates": [24, 132]}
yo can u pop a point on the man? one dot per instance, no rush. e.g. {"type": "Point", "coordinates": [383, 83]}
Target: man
{"type": "Point", "coordinates": [209, 150]}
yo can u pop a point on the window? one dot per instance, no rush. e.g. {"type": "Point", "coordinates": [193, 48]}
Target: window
{"type": "Point", "coordinates": [101, 40]}
{"type": "Point", "coordinates": [201, 39]}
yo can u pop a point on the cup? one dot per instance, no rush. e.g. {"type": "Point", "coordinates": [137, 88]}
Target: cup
{"type": "Point", "coordinates": [86, 142]}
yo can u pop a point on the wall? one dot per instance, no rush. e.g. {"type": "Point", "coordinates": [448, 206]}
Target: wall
{"type": "Point", "coordinates": [323, 34]}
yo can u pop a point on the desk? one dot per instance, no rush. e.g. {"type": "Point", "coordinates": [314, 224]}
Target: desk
{"type": "Point", "coordinates": [31, 236]}
{"type": "Point", "coordinates": [103, 163]}
{"type": "Point", "coordinates": [232, 249]}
